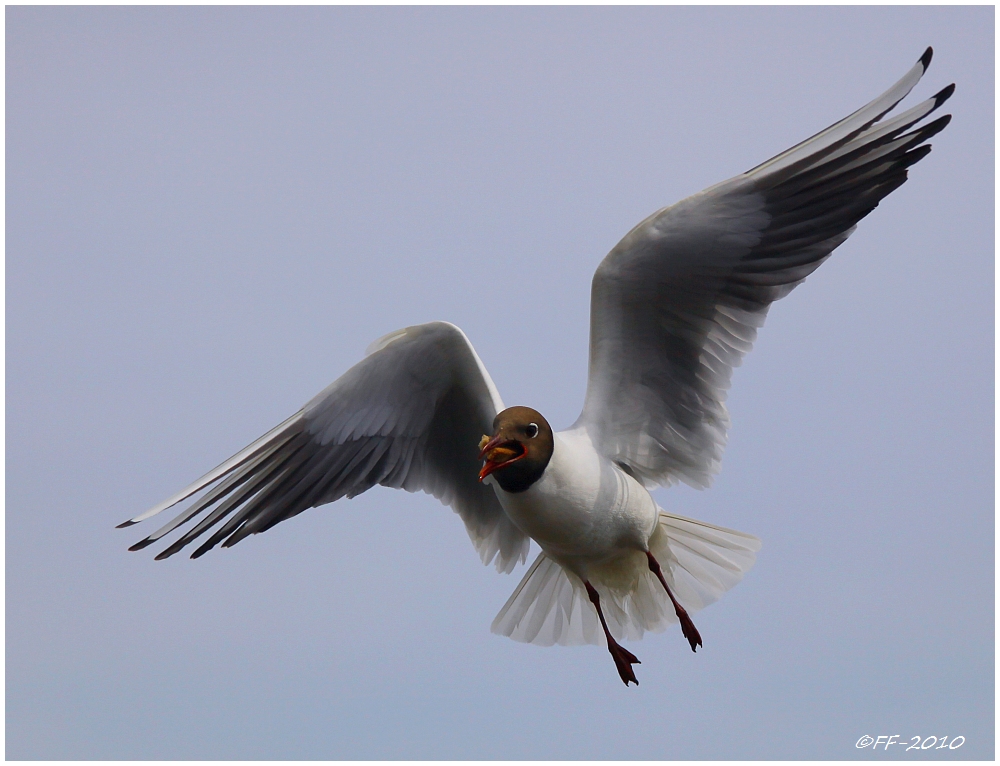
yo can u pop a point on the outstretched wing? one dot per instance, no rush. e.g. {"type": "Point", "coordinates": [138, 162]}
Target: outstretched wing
{"type": "Point", "coordinates": [409, 416]}
{"type": "Point", "coordinates": [678, 302]}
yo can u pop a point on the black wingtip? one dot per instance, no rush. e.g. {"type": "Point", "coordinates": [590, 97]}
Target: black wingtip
{"type": "Point", "coordinates": [141, 544]}
{"type": "Point", "coordinates": [939, 124]}
{"type": "Point", "coordinates": [926, 58]}
{"type": "Point", "coordinates": [124, 524]}
{"type": "Point", "coordinates": [237, 535]}
{"type": "Point", "coordinates": [205, 548]}
{"type": "Point", "coordinates": [943, 95]}
{"type": "Point", "coordinates": [169, 551]}
{"type": "Point", "coordinates": [914, 156]}
{"type": "Point", "coordinates": [931, 129]}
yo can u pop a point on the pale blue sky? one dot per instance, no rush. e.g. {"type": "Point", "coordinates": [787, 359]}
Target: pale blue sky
{"type": "Point", "coordinates": [212, 212]}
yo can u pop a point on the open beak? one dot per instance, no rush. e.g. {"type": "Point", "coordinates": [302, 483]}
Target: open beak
{"type": "Point", "coordinates": [498, 452]}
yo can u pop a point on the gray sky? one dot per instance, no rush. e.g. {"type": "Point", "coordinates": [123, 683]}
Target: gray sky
{"type": "Point", "coordinates": [212, 212]}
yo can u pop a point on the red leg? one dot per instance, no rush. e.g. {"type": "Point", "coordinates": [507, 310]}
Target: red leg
{"type": "Point", "coordinates": [624, 659]}
{"type": "Point", "coordinates": [687, 627]}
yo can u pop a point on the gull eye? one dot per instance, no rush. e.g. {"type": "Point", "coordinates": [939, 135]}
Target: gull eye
{"type": "Point", "coordinates": [531, 430]}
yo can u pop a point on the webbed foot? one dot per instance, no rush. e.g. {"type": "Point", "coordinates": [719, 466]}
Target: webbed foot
{"type": "Point", "coordinates": [624, 660]}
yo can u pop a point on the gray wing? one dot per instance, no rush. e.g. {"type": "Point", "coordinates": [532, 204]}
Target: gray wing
{"type": "Point", "coordinates": [409, 416]}
{"type": "Point", "coordinates": [677, 303]}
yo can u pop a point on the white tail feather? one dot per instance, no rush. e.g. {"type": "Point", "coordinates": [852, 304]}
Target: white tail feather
{"type": "Point", "coordinates": [700, 562]}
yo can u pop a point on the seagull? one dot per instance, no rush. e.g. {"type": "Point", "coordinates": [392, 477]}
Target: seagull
{"type": "Point", "coordinates": [674, 308]}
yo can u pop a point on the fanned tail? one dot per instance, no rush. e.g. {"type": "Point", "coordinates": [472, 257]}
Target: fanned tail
{"type": "Point", "coordinates": [549, 606]}
{"type": "Point", "coordinates": [700, 562]}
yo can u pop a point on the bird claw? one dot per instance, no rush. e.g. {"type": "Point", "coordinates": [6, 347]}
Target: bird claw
{"type": "Point", "coordinates": [624, 660]}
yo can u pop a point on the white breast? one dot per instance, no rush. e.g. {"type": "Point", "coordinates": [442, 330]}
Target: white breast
{"type": "Point", "coordinates": [584, 508]}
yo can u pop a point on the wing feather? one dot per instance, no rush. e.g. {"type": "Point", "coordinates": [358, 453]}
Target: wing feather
{"type": "Point", "coordinates": [816, 147]}
{"type": "Point", "coordinates": [678, 302]}
{"type": "Point", "coordinates": [409, 416]}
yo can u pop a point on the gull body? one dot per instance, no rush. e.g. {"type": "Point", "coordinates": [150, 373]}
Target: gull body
{"type": "Point", "coordinates": [584, 511]}
{"type": "Point", "coordinates": [674, 308]}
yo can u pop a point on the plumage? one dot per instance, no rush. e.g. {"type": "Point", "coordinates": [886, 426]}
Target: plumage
{"type": "Point", "coordinates": [675, 306]}
{"type": "Point", "coordinates": [398, 418]}
{"type": "Point", "coordinates": [677, 303]}
{"type": "Point", "coordinates": [549, 606]}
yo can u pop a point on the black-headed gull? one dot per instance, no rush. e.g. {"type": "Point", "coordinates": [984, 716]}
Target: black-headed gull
{"type": "Point", "coordinates": [675, 306]}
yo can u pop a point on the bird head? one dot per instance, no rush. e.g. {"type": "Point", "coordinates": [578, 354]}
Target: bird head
{"type": "Point", "coordinates": [518, 450]}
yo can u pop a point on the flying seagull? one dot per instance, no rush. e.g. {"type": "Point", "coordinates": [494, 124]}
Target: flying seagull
{"type": "Point", "coordinates": [674, 307]}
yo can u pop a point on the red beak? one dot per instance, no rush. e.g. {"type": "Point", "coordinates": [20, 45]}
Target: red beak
{"type": "Point", "coordinates": [498, 452]}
